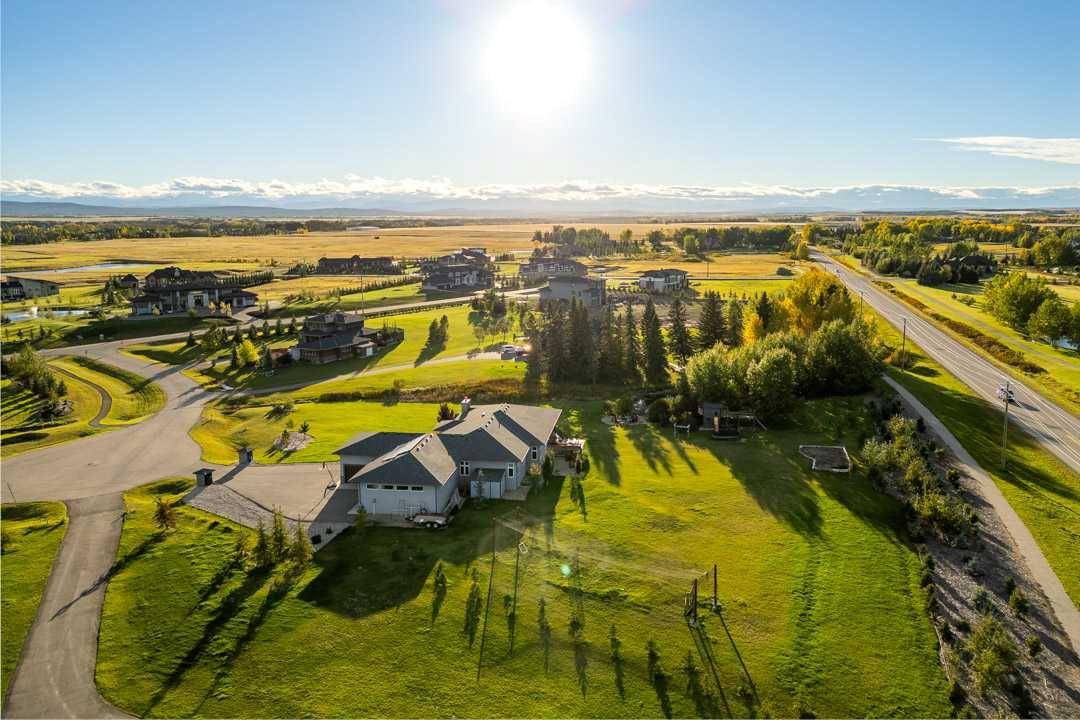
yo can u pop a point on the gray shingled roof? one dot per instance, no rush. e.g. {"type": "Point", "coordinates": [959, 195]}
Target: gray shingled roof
{"type": "Point", "coordinates": [374, 444]}
{"type": "Point", "coordinates": [423, 460]}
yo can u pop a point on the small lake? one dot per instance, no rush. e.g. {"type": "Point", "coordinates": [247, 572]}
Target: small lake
{"type": "Point", "coordinates": [84, 268]}
{"type": "Point", "coordinates": [40, 314]}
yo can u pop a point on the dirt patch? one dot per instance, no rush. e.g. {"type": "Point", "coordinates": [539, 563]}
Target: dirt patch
{"type": "Point", "coordinates": [831, 458]}
{"type": "Point", "coordinates": [292, 441]}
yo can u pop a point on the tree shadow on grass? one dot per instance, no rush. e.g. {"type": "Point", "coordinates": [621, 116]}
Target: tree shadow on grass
{"type": "Point", "coordinates": [650, 446]}
{"type": "Point", "coordinates": [600, 443]}
{"type": "Point", "coordinates": [368, 571]}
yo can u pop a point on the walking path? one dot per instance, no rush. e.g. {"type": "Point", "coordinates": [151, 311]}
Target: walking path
{"type": "Point", "coordinates": [55, 675]}
{"type": "Point", "coordinates": [106, 398]}
{"type": "Point", "coordinates": [1063, 606]}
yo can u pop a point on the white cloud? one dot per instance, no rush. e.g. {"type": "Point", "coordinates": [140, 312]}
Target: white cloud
{"type": "Point", "coordinates": [1056, 150]}
{"type": "Point", "coordinates": [405, 194]}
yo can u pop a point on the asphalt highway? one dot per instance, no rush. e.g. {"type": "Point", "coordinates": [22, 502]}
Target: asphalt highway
{"type": "Point", "coordinates": [1055, 428]}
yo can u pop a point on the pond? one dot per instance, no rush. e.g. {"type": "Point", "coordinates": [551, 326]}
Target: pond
{"type": "Point", "coordinates": [35, 313]}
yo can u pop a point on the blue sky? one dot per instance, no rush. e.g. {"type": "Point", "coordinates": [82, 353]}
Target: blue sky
{"type": "Point", "coordinates": [668, 94]}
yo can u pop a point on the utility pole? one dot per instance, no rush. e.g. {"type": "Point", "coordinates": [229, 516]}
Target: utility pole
{"type": "Point", "coordinates": [903, 349]}
{"type": "Point", "coordinates": [1005, 428]}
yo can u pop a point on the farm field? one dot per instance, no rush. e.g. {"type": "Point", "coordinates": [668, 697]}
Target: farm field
{"type": "Point", "coordinates": [1043, 491]}
{"type": "Point", "coordinates": [221, 430]}
{"type": "Point", "coordinates": [829, 620]}
{"type": "Point", "coordinates": [32, 535]}
{"type": "Point", "coordinates": [22, 432]}
{"type": "Point", "coordinates": [1060, 382]}
{"type": "Point", "coordinates": [285, 250]}
{"type": "Point", "coordinates": [133, 397]}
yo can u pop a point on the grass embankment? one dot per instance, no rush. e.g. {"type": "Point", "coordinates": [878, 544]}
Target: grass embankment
{"type": "Point", "coordinates": [20, 429]}
{"type": "Point", "coordinates": [413, 350]}
{"type": "Point", "coordinates": [819, 588]}
{"type": "Point", "coordinates": [222, 429]}
{"type": "Point", "coordinates": [1044, 492]}
{"type": "Point", "coordinates": [31, 537]}
{"type": "Point", "coordinates": [134, 398]}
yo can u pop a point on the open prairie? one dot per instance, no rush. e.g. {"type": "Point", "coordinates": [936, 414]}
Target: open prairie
{"type": "Point", "coordinates": [289, 249]}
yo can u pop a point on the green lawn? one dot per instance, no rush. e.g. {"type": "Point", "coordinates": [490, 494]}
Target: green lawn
{"type": "Point", "coordinates": [134, 398]}
{"type": "Point", "coordinates": [20, 431]}
{"type": "Point", "coordinates": [32, 534]}
{"type": "Point", "coordinates": [369, 300]}
{"type": "Point", "coordinates": [1044, 492]}
{"type": "Point", "coordinates": [819, 588]}
{"type": "Point", "coordinates": [69, 296]}
{"type": "Point", "coordinates": [80, 330]}
{"type": "Point", "coordinates": [221, 430]}
{"type": "Point", "coordinates": [411, 351]}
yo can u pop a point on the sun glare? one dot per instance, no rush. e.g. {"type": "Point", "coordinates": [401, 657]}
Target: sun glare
{"type": "Point", "coordinates": [536, 58]}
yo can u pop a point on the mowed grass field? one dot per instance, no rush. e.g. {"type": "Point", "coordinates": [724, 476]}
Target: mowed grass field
{"type": "Point", "coordinates": [262, 250]}
{"type": "Point", "coordinates": [819, 590]}
{"type": "Point", "coordinates": [20, 431]}
{"type": "Point", "coordinates": [32, 534]}
{"type": "Point", "coordinates": [222, 430]}
{"type": "Point", "coordinates": [719, 265]}
{"type": "Point", "coordinates": [1044, 492]}
{"type": "Point", "coordinates": [413, 350]}
{"type": "Point", "coordinates": [133, 398]}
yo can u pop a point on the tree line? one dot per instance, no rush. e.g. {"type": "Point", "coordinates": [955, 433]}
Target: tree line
{"type": "Point", "coordinates": [26, 232]}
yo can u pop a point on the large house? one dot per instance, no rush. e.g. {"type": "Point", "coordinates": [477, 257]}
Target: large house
{"type": "Point", "coordinates": [21, 288]}
{"type": "Point", "coordinates": [664, 281]}
{"type": "Point", "coordinates": [338, 336]}
{"type": "Point", "coordinates": [470, 268]}
{"type": "Point", "coordinates": [484, 452]}
{"type": "Point", "coordinates": [175, 290]}
{"type": "Point", "coordinates": [539, 268]}
{"type": "Point", "coordinates": [590, 291]}
{"type": "Point", "coordinates": [357, 265]}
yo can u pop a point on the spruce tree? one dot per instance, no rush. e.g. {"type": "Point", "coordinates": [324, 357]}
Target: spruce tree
{"type": "Point", "coordinates": [711, 325]}
{"type": "Point", "coordinates": [682, 345]}
{"type": "Point", "coordinates": [534, 361]}
{"type": "Point", "coordinates": [764, 310]}
{"type": "Point", "coordinates": [734, 321]}
{"type": "Point", "coordinates": [653, 350]}
{"type": "Point", "coordinates": [631, 348]}
{"type": "Point", "coordinates": [582, 345]}
{"type": "Point", "coordinates": [261, 554]}
{"type": "Point", "coordinates": [610, 354]}
{"type": "Point", "coordinates": [555, 343]}
{"type": "Point", "coordinates": [279, 537]}
{"type": "Point", "coordinates": [301, 551]}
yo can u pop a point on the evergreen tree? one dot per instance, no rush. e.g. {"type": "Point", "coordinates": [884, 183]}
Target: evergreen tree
{"type": "Point", "coordinates": [292, 326]}
{"type": "Point", "coordinates": [653, 350]}
{"type": "Point", "coordinates": [164, 514]}
{"type": "Point", "coordinates": [610, 354]}
{"type": "Point", "coordinates": [301, 551]}
{"type": "Point", "coordinates": [555, 343]}
{"type": "Point", "coordinates": [764, 310]}
{"type": "Point", "coordinates": [261, 554]}
{"type": "Point", "coordinates": [711, 328]}
{"type": "Point", "coordinates": [278, 329]}
{"type": "Point", "coordinates": [234, 359]}
{"type": "Point", "coordinates": [279, 537]}
{"type": "Point", "coordinates": [734, 321]}
{"type": "Point", "coordinates": [534, 361]}
{"type": "Point", "coordinates": [682, 345]}
{"type": "Point", "coordinates": [631, 348]}
{"type": "Point", "coordinates": [582, 357]}
{"type": "Point", "coordinates": [238, 336]}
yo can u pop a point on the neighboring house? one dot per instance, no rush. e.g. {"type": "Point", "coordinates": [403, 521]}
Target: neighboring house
{"type": "Point", "coordinates": [128, 282]}
{"type": "Point", "coordinates": [484, 452]}
{"type": "Point", "coordinates": [338, 336]}
{"type": "Point", "coordinates": [590, 291]}
{"type": "Point", "coordinates": [21, 288]}
{"type": "Point", "coordinates": [539, 268]}
{"type": "Point", "coordinates": [663, 281]}
{"type": "Point", "coordinates": [175, 290]}
{"type": "Point", "coordinates": [357, 265]}
{"type": "Point", "coordinates": [469, 268]}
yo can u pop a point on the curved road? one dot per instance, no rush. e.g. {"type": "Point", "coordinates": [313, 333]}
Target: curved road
{"type": "Point", "coordinates": [1055, 428]}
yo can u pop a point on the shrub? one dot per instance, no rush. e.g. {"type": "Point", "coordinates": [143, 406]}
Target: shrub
{"type": "Point", "coordinates": [659, 412]}
{"type": "Point", "coordinates": [1018, 602]}
{"type": "Point", "coordinates": [993, 655]}
{"type": "Point", "coordinates": [1034, 645]}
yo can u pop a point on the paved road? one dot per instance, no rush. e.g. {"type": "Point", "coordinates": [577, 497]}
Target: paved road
{"type": "Point", "coordinates": [1063, 606]}
{"type": "Point", "coordinates": [1055, 428]}
{"type": "Point", "coordinates": [55, 677]}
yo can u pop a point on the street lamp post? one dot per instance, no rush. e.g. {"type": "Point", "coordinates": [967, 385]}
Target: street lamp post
{"type": "Point", "coordinates": [1005, 427]}
{"type": "Point", "coordinates": [903, 348]}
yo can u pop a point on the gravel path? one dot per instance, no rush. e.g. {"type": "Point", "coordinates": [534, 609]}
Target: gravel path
{"type": "Point", "coordinates": [106, 398]}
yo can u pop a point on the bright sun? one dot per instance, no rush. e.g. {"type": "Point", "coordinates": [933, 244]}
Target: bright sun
{"type": "Point", "coordinates": [536, 57]}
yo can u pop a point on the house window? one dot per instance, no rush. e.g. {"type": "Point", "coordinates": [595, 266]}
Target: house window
{"type": "Point", "coordinates": [465, 467]}
{"type": "Point", "coordinates": [402, 487]}
{"type": "Point", "coordinates": [535, 452]}
{"type": "Point", "coordinates": [510, 470]}
{"type": "Point", "coordinates": [387, 487]}
{"type": "Point", "coordinates": [372, 486]}
{"type": "Point", "coordinates": [417, 488]}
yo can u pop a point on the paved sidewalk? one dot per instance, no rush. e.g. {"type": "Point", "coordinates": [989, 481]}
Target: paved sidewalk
{"type": "Point", "coordinates": [1063, 606]}
{"type": "Point", "coordinates": [55, 675]}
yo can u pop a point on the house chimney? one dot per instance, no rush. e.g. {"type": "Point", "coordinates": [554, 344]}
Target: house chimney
{"type": "Point", "coordinates": [466, 403]}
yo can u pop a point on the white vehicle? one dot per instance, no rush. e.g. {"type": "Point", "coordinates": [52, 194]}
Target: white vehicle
{"type": "Point", "coordinates": [431, 520]}
{"type": "Point", "coordinates": [1004, 393]}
